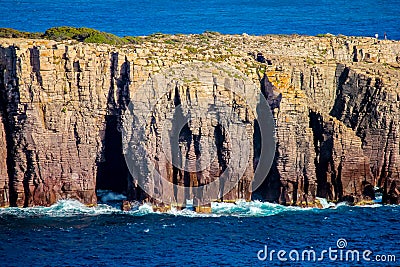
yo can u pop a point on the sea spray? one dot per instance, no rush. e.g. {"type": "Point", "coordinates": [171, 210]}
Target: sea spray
{"type": "Point", "coordinates": [108, 196]}
{"type": "Point", "coordinates": [63, 208]}
{"type": "Point", "coordinates": [324, 203]}
{"type": "Point", "coordinates": [70, 208]}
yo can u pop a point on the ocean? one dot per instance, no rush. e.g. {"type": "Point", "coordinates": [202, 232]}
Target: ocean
{"type": "Point", "coordinates": [144, 17]}
{"type": "Point", "coordinates": [71, 234]}
{"type": "Point", "coordinates": [235, 234]}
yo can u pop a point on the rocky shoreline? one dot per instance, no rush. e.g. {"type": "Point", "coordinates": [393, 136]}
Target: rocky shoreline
{"type": "Point", "coordinates": [335, 102]}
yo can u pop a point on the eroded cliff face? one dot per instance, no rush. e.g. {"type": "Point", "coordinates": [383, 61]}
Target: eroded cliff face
{"type": "Point", "coordinates": [3, 167]}
{"type": "Point", "coordinates": [335, 103]}
{"type": "Point", "coordinates": [369, 104]}
{"type": "Point", "coordinates": [198, 143]}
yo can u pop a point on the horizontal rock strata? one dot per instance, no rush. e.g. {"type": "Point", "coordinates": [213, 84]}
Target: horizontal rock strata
{"type": "Point", "coordinates": [335, 102]}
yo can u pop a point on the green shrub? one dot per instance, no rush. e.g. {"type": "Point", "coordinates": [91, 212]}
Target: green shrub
{"type": "Point", "coordinates": [133, 39]}
{"type": "Point", "coordinates": [86, 35]}
{"type": "Point", "coordinates": [105, 38]}
{"type": "Point", "coordinates": [11, 33]}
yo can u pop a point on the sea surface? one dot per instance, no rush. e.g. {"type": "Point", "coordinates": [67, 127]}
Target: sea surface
{"type": "Point", "coordinates": [143, 17]}
{"type": "Point", "coordinates": [71, 234]}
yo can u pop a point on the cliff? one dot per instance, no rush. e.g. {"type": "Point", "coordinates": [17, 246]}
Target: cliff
{"type": "Point", "coordinates": [335, 102]}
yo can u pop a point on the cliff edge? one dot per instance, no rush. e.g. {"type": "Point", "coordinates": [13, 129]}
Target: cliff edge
{"type": "Point", "coordinates": [335, 101]}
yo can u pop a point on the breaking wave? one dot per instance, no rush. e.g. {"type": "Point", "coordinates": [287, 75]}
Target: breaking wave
{"type": "Point", "coordinates": [69, 208]}
{"type": "Point", "coordinates": [108, 196]}
{"type": "Point", "coordinates": [63, 208]}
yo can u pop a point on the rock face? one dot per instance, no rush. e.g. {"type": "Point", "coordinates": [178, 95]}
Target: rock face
{"type": "Point", "coordinates": [335, 102]}
{"type": "Point", "coordinates": [3, 167]}
{"type": "Point", "coordinates": [201, 128]}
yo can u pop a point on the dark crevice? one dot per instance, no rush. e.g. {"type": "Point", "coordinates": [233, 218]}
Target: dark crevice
{"type": "Point", "coordinates": [123, 83]}
{"type": "Point", "coordinates": [256, 144]}
{"type": "Point", "coordinates": [9, 140]}
{"type": "Point", "coordinates": [28, 177]}
{"type": "Point", "coordinates": [342, 73]}
{"type": "Point", "coordinates": [186, 139]}
{"type": "Point", "coordinates": [295, 185]}
{"type": "Point", "coordinates": [355, 54]}
{"type": "Point", "coordinates": [35, 64]}
{"type": "Point", "coordinates": [323, 145]}
{"type": "Point", "coordinates": [270, 189]}
{"type": "Point", "coordinates": [113, 173]}
{"type": "Point", "coordinates": [181, 138]}
{"type": "Point", "coordinates": [9, 99]}
{"type": "Point", "coordinates": [220, 139]}
{"type": "Point", "coordinates": [76, 135]}
{"type": "Point", "coordinates": [111, 103]}
{"type": "Point", "coordinates": [196, 191]}
{"type": "Point", "coordinates": [268, 90]}
{"type": "Point", "coordinates": [337, 181]}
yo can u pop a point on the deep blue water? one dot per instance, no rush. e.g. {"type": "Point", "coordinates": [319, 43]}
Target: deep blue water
{"type": "Point", "coordinates": [70, 234]}
{"type": "Point", "coordinates": [143, 17]}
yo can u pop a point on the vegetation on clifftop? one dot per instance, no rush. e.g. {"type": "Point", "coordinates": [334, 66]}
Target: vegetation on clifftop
{"type": "Point", "coordinates": [85, 35]}
{"type": "Point", "coordinates": [11, 33]}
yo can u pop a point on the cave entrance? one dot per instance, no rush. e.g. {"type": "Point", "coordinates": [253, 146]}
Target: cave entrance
{"type": "Point", "coordinates": [112, 173]}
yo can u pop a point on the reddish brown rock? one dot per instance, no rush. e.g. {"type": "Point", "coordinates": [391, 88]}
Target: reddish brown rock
{"type": "Point", "coordinates": [335, 102]}
{"type": "Point", "coordinates": [3, 166]}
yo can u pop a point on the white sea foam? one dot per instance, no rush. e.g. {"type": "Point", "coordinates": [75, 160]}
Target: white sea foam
{"type": "Point", "coordinates": [108, 195]}
{"type": "Point", "coordinates": [325, 204]}
{"type": "Point", "coordinates": [190, 213]}
{"type": "Point", "coordinates": [63, 208]}
{"type": "Point", "coordinates": [370, 206]}
{"type": "Point", "coordinates": [240, 208]}
{"type": "Point", "coordinates": [68, 208]}
{"type": "Point", "coordinates": [141, 210]}
{"type": "Point", "coordinates": [378, 199]}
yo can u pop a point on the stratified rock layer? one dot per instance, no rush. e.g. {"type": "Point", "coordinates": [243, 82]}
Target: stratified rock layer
{"type": "Point", "coordinates": [3, 167]}
{"type": "Point", "coordinates": [201, 128]}
{"type": "Point", "coordinates": [335, 101]}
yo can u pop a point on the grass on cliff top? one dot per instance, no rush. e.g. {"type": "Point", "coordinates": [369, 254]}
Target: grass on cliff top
{"type": "Point", "coordinates": [11, 33]}
{"type": "Point", "coordinates": [88, 35]}
{"type": "Point", "coordinates": [85, 35]}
